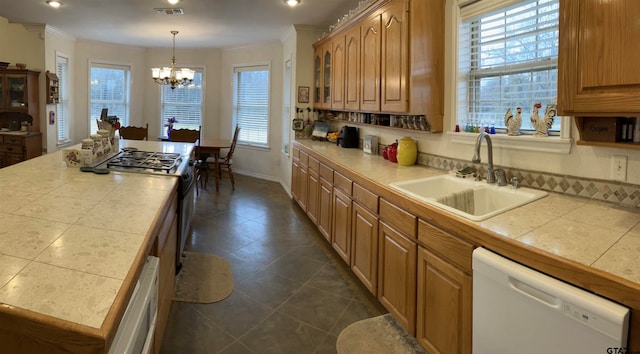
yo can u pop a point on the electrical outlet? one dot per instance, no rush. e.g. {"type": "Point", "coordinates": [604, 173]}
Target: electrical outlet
{"type": "Point", "coordinates": [619, 168]}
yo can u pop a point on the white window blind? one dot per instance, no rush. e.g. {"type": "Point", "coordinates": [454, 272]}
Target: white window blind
{"type": "Point", "coordinates": [184, 103]}
{"type": "Point", "coordinates": [251, 104]}
{"type": "Point", "coordinates": [507, 58]}
{"type": "Point", "coordinates": [110, 86]}
{"type": "Point", "coordinates": [62, 107]}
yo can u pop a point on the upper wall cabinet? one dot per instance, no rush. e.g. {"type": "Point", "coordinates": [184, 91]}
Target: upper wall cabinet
{"type": "Point", "coordinates": [322, 67]}
{"type": "Point", "coordinates": [400, 46]}
{"type": "Point", "coordinates": [598, 58]}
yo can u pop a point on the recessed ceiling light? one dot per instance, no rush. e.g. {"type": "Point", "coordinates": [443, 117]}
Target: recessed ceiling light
{"type": "Point", "coordinates": [54, 3]}
{"type": "Point", "coordinates": [173, 2]}
{"type": "Point", "coordinates": [292, 3]}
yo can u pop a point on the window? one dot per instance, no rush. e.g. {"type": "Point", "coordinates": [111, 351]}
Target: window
{"type": "Point", "coordinates": [251, 104]}
{"type": "Point", "coordinates": [62, 107]}
{"type": "Point", "coordinates": [507, 58]}
{"type": "Point", "coordinates": [184, 103]}
{"type": "Point", "coordinates": [110, 87]}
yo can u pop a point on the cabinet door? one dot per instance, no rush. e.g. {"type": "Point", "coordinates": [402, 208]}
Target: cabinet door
{"type": "Point", "coordinates": [370, 63]}
{"type": "Point", "coordinates": [364, 253]}
{"type": "Point", "coordinates": [295, 180]}
{"type": "Point", "coordinates": [317, 84]}
{"type": "Point", "coordinates": [326, 76]}
{"type": "Point", "coordinates": [313, 202]}
{"type": "Point", "coordinates": [352, 69]}
{"type": "Point", "coordinates": [395, 59]}
{"type": "Point", "coordinates": [397, 275]}
{"type": "Point", "coordinates": [325, 209]}
{"type": "Point", "coordinates": [341, 238]}
{"type": "Point", "coordinates": [444, 305]}
{"type": "Point", "coordinates": [302, 187]}
{"type": "Point", "coordinates": [598, 58]}
{"type": "Point", "coordinates": [337, 73]}
{"type": "Point", "coordinates": [17, 92]}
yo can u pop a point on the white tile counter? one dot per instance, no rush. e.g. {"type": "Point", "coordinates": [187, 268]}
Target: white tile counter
{"type": "Point", "coordinates": [68, 238]}
{"type": "Point", "coordinates": [596, 234]}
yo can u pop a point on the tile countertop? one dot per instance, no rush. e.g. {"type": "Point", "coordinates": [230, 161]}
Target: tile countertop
{"type": "Point", "coordinates": [597, 234]}
{"type": "Point", "coordinates": [69, 238]}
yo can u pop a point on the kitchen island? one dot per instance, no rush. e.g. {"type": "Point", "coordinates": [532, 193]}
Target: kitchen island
{"type": "Point", "coordinates": [591, 244]}
{"type": "Point", "coordinates": [72, 245]}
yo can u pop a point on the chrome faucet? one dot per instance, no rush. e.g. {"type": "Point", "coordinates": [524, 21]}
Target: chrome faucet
{"type": "Point", "coordinates": [476, 156]}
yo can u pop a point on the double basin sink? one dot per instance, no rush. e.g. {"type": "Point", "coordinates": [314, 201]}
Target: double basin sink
{"type": "Point", "coordinates": [470, 199]}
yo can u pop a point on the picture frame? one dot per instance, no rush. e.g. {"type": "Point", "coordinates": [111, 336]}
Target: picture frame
{"type": "Point", "coordinates": [298, 124]}
{"type": "Point", "coordinates": [303, 94]}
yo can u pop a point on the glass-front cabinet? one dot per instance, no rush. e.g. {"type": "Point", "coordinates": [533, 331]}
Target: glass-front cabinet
{"type": "Point", "coordinates": [16, 91]}
{"type": "Point", "coordinates": [322, 71]}
{"type": "Point", "coordinates": [19, 93]}
{"type": "Point", "coordinates": [326, 103]}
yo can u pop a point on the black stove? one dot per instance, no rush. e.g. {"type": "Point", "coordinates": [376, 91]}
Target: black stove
{"type": "Point", "coordinates": [146, 162]}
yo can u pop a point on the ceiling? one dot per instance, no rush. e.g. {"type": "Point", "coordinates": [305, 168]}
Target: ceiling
{"type": "Point", "coordinates": [204, 24]}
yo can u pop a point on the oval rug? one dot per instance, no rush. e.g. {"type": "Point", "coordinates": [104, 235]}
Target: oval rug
{"type": "Point", "coordinates": [381, 334]}
{"type": "Point", "coordinates": [204, 278]}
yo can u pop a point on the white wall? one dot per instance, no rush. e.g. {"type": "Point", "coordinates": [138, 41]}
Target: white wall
{"type": "Point", "coordinates": [263, 163]}
{"type": "Point", "coordinates": [57, 42]}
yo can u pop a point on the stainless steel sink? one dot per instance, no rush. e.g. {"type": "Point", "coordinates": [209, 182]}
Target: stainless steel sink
{"type": "Point", "coordinates": [473, 200]}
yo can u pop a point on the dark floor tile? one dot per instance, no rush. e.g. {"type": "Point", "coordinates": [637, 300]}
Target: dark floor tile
{"type": "Point", "coordinates": [311, 250]}
{"type": "Point", "coordinates": [237, 314]}
{"type": "Point", "coordinates": [281, 334]}
{"type": "Point", "coordinates": [318, 308]}
{"type": "Point", "coordinates": [237, 348]}
{"type": "Point", "coordinates": [267, 288]}
{"type": "Point", "coordinates": [355, 311]}
{"type": "Point", "coordinates": [328, 346]}
{"type": "Point", "coordinates": [293, 266]}
{"type": "Point", "coordinates": [189, 332]}
{"type": "Point", "coordinates": [332, 280]}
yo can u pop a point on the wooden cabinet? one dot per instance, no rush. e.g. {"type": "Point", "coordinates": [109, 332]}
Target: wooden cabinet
{"type": "Point", "coordinates": [444, 291]}
{"type": "Point", "coordinates": [371, 35]}
{"type": "Point", "coordinates": [53, 88]}
{"type": "Point", "coordinates": [338, 54]}
{"type": "Point", "coordinates": [444, 305]}
{"type": "Point", "coordinates": [18, 148]}
{"type": "Point", "coordinates": [325, 210]}
{"type": "Point", "coordinates": [352, 69]}
{"type": "Point", "coordinates": [322, 68]}
{"type": "Point", "coordinates": [299, 175]}
{"type": "Point", "coordinates": [364, 253]}
{"type": "Point", "coordinates": [341, 207]}
{"type": "Point", "coordinates": [394, 88]}
{"type": "Point", "coordinates": [397, 252]}
{"type": "Point", "coordinates": [598, 58]}
{"type": "Point", "coordinates": [313, 189]}
{"type": "Point", "coordinates": [167, 242]}
{"type": "Point", "coordinates": [19, 93]}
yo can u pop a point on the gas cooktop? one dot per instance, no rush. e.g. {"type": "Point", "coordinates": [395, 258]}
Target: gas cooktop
{"type": "Point", "coordinates": [146, 162]}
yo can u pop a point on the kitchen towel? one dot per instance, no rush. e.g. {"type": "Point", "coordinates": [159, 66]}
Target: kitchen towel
{"type": "Point", "coordinates": [377, 335]}
{"type": "Point", "coordinates": [204, 278]}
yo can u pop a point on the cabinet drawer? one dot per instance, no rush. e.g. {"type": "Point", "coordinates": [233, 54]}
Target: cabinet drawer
{"type": "Point", "coordinates": [446, 245]}
{"type": "Point", "coordinates": [398, 218]}
{"type": "Point", "coordinates": [314, 165]}
{"type": "Point", "coordinates": [11, 148]}
{"type": "Point", "coordinates": [341, 182]}
{"type": "Point", "coordinates": [304, 158]}
{"type": "Point", "coordinates": [326, 172]}
{"type": "Point", "coordinates": [15, 140]}
{"type": "Point", "coordinates": [365, 198]}
{"type": "Point", "coordinates": [296, 153]}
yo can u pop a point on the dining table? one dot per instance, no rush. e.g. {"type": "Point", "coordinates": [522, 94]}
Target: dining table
{"type": "Point", "coordinates": [211, 147]}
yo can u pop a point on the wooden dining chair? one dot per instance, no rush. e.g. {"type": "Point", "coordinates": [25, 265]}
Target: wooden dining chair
{"type": "Point", "coordinates": [199, 166]}
{"type": "Point", "coordinates": [135, 133]}
{"type": "Point", "coordinates": [223, 164]}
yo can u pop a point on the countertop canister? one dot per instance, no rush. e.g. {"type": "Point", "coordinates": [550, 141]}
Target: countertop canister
{"type": "Point", "coordinates": [407, 152]}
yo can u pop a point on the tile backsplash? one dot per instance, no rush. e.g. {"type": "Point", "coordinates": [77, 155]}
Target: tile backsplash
{"type": "Point", "coordinates": [621, 193]}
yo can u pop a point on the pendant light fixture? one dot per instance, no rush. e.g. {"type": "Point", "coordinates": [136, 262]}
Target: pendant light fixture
{"type": "Point", "coordinates": [171, 76]}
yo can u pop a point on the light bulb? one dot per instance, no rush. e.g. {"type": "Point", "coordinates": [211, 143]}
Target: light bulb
{"type": "Point", "coordinates": [54, 3]}
{"type": "Point", "coordinates": [292, 2]}
{"type": "Point", "coordinates": [173, 2]}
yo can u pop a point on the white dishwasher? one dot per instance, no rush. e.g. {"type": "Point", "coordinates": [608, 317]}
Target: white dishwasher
{"type": "Point", "coordinates": [519, 310]}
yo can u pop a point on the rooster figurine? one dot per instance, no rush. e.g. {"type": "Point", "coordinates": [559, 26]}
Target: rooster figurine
{"type": "Point", "coordinates": [542, 125]}
{"type": "Point", "coordinates": [513, 123]}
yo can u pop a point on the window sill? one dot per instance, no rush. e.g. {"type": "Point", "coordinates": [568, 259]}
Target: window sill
{"type": "Point", "coordinates": [551, 144]}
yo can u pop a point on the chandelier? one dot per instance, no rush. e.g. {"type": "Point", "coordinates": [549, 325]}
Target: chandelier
{"type": "Point", "coordinates": [171, 76]}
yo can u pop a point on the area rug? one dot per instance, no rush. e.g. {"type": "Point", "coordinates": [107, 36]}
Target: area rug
{"type": "Point", "coordinates": [375, 335]}
{"type": "Point", "coordinates": [204, 278]}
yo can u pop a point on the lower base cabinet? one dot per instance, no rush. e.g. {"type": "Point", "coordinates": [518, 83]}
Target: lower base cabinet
{"type": "Point", "coordinates": [364, 247]}
{"type": "Point", "coordinates": [397, 275]}
{"type": "Point", "coordinates": [444, 305]}
{"type": "Point", "coordinates": [341, 238]}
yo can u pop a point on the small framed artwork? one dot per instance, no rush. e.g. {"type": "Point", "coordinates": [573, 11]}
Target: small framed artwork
{"type": "Point", "coordinates": [303, 94]}
{"type": "Point", "coordinates": [298, 124]}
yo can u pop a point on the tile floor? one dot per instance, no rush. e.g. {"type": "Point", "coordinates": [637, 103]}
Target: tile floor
{"type": "Point", "coordinates": [292, 294]}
